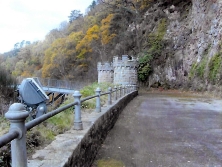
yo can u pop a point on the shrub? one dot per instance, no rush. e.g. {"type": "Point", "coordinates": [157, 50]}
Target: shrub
{"type": "Point", "coordinates": [7, 83]}
{"type": "Point", "coordinates": [214, 67]}
{"type": "Point", "coordinates": [156, 45]}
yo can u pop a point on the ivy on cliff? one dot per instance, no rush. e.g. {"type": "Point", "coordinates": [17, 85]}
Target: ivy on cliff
{"type": "Point", "coordinates": [215, 67]}
{"type": "Point", "coordinates": [156, 45]}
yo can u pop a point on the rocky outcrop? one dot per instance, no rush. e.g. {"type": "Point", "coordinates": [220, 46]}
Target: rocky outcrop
{"type": "Point", "coordinates": [194, 29]}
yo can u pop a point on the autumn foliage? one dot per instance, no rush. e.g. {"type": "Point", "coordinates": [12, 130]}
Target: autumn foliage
{"type": "Point", "coordinates": [72, 50]}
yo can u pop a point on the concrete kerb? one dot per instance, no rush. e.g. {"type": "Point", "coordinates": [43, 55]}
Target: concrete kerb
{"type": "Point", "coordinates": [79, 148]}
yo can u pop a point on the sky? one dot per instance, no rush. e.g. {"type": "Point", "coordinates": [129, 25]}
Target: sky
{"type": "Point", "coordinates": [31, 20]}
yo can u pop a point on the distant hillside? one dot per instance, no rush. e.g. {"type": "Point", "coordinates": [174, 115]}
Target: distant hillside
{"type": "Point", "coordinates": [178, 43]}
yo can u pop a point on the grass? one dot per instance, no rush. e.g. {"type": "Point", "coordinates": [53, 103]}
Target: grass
{"type": "Point", "coordinates": [90, 90]}
{"type": "Point", "coordinates": [4, 125]}
{"type": "Point", "coordinates": [109, 163]}
{"type": "Point", "coordinates": [64, 120]}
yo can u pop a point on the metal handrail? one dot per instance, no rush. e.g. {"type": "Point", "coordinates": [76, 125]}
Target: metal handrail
{"type": "Point", "coordinates": [6, 138]}
{"type": "Point", "coordinates": [105, 93]}
{"type": "Point", "coordinates": [29, 125]}
{"type": "Point", "coordinates": [88, 98]}
{"type": "Point", "coordinates": [17, 115]}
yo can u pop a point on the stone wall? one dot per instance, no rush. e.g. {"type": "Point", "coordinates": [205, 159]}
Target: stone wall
{"type": "Point", "coordinates": [87, 149]}
{"type": "Point", "coordinates": [105, 76]}
{"type": "Point", "coordinates": [122, 71]}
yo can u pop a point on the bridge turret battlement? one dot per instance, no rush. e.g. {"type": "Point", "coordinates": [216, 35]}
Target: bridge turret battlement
{"type": "Point", "coordinates": [122, 71]}
{"type": "Point", "coordinates": [125, 62]}
{"type": "Point", "coordinates": [105, 66]}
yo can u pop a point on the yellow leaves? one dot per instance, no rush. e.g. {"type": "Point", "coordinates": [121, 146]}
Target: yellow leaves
{"type": "Point", "coordinates": [84, 46]}
{"type": "Point", "coordinates": [90, 20]}
{"type": "Point", "coordinates": [75, 37]}
{"type": "Point", "coordinates": [92, 33]}
{"type": "Point", "coordinates": [82, 53]}
{"type": "Point", "coordinates": [144, 4]}
{"type": "Point", "coordinates": [26, 74]}
{"type": "Point", "coordinates": [106, 36]}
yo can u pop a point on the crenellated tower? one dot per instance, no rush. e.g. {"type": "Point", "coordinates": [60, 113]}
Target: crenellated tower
{"type": "Point", "coordinates": [125, 70]}
{"type": "Point", "coordinates": [105, 72]}
{"type": "Point", "coordinates": [122, 71]}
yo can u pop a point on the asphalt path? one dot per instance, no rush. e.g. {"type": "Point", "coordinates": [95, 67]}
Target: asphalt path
{"type": "Point", "coordinates": [167, 130]}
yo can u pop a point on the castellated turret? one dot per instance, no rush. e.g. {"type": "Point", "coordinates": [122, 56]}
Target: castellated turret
{"type": "Point", "coordinates": [122, 71]}
{"type": "Point", "coordinates": [125, 70]}
{"type": "Point", "coordinates": [105, 72]}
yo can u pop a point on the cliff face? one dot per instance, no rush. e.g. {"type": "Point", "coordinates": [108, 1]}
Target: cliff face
{"type": "Point", "coordinates": [194, 31]}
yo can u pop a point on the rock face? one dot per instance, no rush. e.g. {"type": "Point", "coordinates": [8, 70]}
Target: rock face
{"type": "Point", "coordinates": [194, 29]}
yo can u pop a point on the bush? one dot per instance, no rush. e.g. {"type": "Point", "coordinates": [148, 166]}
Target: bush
{"type": "Point", "coordinates": [7, 83]}
{"type": "Point", "coordinates": [156, 46]}
{"type": "Point", "coordinates": [214, 67]}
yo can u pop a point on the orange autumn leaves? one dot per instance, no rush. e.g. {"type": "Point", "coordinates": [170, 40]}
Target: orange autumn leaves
{"type": "Point", "coordinates": [72, 51]}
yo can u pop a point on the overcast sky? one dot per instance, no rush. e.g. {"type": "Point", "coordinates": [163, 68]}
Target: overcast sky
{"type": "Point", "coordinates": [31, 20]}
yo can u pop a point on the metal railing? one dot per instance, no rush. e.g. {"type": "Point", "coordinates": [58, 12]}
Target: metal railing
{"type": "Point", "coordinates": [17, 116]}
{"type": "Point", "coordinates": [55, 83]}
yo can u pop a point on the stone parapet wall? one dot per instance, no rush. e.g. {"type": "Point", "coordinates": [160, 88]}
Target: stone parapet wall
{"type": "Point", "coordinates": [86, 151]}
{"type": "Point", "coordinates": [79, 148]}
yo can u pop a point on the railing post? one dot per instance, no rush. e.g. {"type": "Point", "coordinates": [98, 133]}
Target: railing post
{"type": "Point", "coordinates": [124, 90]}
{"type": "Point", "coordinates": [48, 82]}
{"type": "Point", "coordinates": [98, 105]}
{"type": "Point", "coordinates": [120, 92]}
{"type": "Point", "coordinates": [110, 96]}
{"type": "Point", "coordinates": [115, 88]}
{"type": "Point", "coordinates": [127, 89]}
{"type": "Point", "coordinates": [135, 87]}
{"type": "Point", "coordinates": [17, 115]}
{"type": "Point", "coordinates": [77, 121]}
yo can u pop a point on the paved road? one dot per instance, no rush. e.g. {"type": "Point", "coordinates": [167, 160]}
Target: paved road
{"type": "Point", "coordinates": [167, 130]}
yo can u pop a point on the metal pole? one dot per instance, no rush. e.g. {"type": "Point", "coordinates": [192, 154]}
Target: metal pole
{"type": "Point", "coordinates": [123, 90]}
{"type": "Point", "coordinates": [115, 88]}
{"type": "Point", "coordinates": [98, 105]}
{"type": "Point", "coordinates": [110, 96]}
{"type": "Point", "coordinates": [77, 121]}
{"type": "Point", "coordinates": [17, 115]}
{"type": "Point", "coordinates": [120, 94]}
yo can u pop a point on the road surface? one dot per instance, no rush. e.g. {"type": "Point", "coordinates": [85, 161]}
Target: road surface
{"type": "Point", "coordinates": [166, 130]}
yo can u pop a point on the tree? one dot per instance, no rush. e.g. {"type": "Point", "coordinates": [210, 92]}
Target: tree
{"type": "Point", "coordinates": [75, 14]}
{"type": "Point", "coordinates": [92, 6]}
{"type": "Point", "coordinates": [60, 57]}
{"type": "Point", "coordinates": [105, 30]}
{"type": "Point", "coordinates": [84, 46]}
